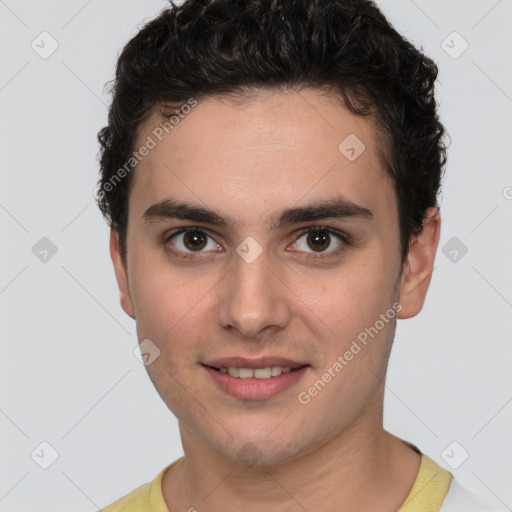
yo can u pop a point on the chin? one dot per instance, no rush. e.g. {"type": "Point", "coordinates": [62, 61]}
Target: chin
{"type": "Point", "coordinates": [260, 454]}
{"type": "Point", "coordinates": [256, 448]}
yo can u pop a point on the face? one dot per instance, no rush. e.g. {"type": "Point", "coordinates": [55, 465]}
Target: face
{"type": "Point", "coordinates": [263, 263]}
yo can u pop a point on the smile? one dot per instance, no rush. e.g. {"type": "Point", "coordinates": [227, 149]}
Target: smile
{"type": "Point", "coordinates": [257, 383]}
{"type": "Point", "coordinates": [256, 373]}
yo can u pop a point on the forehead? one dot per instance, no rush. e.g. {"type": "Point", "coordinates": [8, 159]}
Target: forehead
{"type": "Point", "coordinates": [252, 155]}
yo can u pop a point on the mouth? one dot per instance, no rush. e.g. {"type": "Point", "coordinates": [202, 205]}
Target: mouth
{"type": "Point", "coordinates": [267, 372]}
{"type": "Point", "coordinates": [257, 379]}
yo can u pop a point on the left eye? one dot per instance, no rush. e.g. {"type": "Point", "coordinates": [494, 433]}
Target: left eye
{"type": "Point", "coordinates": [319, 239]}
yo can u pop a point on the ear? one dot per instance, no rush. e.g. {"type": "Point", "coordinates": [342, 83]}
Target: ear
{"type": "Point", "coordinates": [121, 271]}
{"type": "Point", "coordinates": [419, 265]}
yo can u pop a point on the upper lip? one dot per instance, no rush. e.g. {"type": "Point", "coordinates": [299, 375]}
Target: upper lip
{"type": "Point", "coordinates": [260, 362]}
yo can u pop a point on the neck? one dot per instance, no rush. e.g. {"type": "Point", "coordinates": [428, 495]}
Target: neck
{"type": "Point", "coordinates": [362, 468]}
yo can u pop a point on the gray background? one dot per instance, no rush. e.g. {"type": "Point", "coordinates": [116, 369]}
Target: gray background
{"type": "Point", "coordinates": [68, 372]}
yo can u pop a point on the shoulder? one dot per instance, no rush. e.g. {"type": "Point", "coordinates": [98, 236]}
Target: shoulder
{"type": "Point", "coordinates": [145, 498]}
{"type": "Point", "coordinates": [460, 499]}
{"type": "Point", "coordinates": [136, 501]}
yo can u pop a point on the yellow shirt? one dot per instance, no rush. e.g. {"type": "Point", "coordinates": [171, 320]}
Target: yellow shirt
{"type": "Point", "coordinates": [427, 493]}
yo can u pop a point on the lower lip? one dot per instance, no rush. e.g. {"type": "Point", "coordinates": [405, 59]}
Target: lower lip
{"type": "Point", "coordinates": [256, 389]}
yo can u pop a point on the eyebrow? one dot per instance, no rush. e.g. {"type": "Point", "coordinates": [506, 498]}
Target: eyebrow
{"type": "Point", "coordinates": [334, 208]}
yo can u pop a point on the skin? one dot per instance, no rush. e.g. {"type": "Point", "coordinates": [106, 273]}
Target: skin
{"type": "Point", "coordinates": [249, 160]}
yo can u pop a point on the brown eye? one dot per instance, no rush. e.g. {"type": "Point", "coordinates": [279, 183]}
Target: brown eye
{"type": "Point", "coordinates": [318, 240]}
{"type": "Point", "coordinates": [192, 240]}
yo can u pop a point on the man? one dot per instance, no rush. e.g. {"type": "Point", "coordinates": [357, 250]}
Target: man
{"type": "Point", "coordinates": [270, 172]}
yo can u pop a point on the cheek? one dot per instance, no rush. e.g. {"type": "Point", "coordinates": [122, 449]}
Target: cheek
{"type": "Point", "coordinates": [162, 298]}
{"type": "Point", "coordinates": [168, 310]}
{"type": "Point", "coordinates": [349, 298]}
{"type": "Point", "coordinates": [154, 309]}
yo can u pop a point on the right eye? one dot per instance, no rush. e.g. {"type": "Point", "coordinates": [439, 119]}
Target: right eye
{"type": "Point", "coordinates": [192, 240]}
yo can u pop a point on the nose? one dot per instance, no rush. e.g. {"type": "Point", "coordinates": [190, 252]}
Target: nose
{"type": "Point", "coordinates": [253, 299]}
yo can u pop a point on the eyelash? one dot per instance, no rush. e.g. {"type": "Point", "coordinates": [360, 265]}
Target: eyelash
{"type": "Point", "coordinates": [344, 238]}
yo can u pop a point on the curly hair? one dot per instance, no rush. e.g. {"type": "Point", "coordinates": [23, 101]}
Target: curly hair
{"type": "Point", "coordinates": [202, 48]}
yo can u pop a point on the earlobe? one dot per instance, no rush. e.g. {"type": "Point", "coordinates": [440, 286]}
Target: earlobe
{"type": "Point", "coordinates": [419, 265]}
{"type": "Point", "coordinates": [121, 273]}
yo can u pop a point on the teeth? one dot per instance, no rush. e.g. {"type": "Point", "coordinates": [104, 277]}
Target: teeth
{"type": "Point", "coordinates": [245, 373]}
{"type": "Point", "coordinates": [233, 371]}
{"type": "Point", "coordinates": [263, 373]}
{"type": "Point", "coordinates": [276, 370]}
{"type": "Point", "coordinates": [257, 373]}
